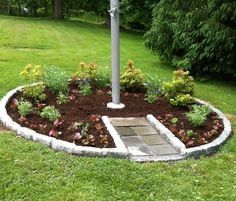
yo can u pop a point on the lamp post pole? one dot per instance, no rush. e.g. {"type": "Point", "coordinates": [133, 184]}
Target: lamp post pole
{"type": "Point", "coordinates": [115, 48]}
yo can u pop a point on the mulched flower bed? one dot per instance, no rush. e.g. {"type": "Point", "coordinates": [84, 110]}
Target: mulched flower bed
{"type": "Point", "coordinates": [90, 109]}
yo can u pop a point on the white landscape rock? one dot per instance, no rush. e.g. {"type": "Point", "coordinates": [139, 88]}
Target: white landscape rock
{"type": "Point", "coordinates": [195, 151]}
{"type": "Point", "coordinates": [59, 145]}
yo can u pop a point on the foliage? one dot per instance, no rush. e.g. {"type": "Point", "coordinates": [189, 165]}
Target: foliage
{"type": "Point", "coordinates": [62, 98]}
{"type": "Point", "coordinates": [32, 75]}
{"type": "Point", "coordinates": [179, 91]}
{"type": "Point", "coordinates": [50, 113]}
{"type": "Point", "coordinates": [87, 71]}
{"type": "Point", "coordinates": [198, 35]}
{"type": "Point", "coordinates": [132, 78]}
{"type": "Point", "coordinates": [174, 120]}
{"type": "Point", "coordinates": [154, 89]}
{"type": "Point", "coordinates": [25, 108]}
{"type": "Point", "coordinates": [198, 114]}
{"type": "Point", "coordinates": [190, 133]}
{"type": "Point", "coordinates": [55, 79]}
{"type": "Point", "coordinates": [86, 90]}
{"type": "Point", "coordinates": [150, 97]}
{"type": "Point", "coordinates": [103, 79]}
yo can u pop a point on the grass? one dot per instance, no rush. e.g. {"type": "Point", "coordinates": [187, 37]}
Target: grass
{"type": "Point", "coordinates": [29, 171]}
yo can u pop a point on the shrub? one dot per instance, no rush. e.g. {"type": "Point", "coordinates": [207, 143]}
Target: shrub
{"type": "Point", "coordinates": [33, 74]}
{"type": "Point", "coordinates": [198, 114]}
{"type": "Point", "coordinates": [50, 113]}
{"type": "Point", "coordinates": [62, 98]}
{"type": "Point", "coordinates": [103, 79]}
{"type": "Point", "coordinates": [174, 120]}
{"type": "Point", "coordinates": [55, 79]}
{"type": "Point", "coordinates": [87, 71]}
{"type": "Point", "coordinates": [86, 90]}
{"type": "Point", "coordinates": [179, 92]}
{"type": "Point", "coordinates": [154, 89]}
{"type": "Point", "coordinates": [132, 79]}
{"type": "Point", "coordinates": [25, 108]}
{"type": "Point", "coordinates": [199, 35]}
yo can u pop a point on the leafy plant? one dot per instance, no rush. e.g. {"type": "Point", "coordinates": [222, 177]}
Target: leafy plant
{"type": "Point", "coordinates": [32, 75]}
{"type": "Point", "coordinates": [154, 89]}
{"type": "Point", "coordinates": [179, 92]}
{"type": "Point", "coordinates": [50, 113]}
{"type": "Point", "coordinates": [55, 79]}
{"type": "Point", "coordinates": [132, 79]}
{"type": "Point", "coordinates": [62, 98]}
{"type": "Point", "coordinates": [86, 90]}
{"type": "Point", "coordinates": [25, 108]}
{"type": "Point", "coordinates": [87, 71]}
{"type": "Point", "coordinates": [198, 114]}
{"type": "Point", "coordinates": [190, 133]}
{"type": "Point", "coordinates": [150, 97]}
{"type": "Point", "coordinates": [174, 120]}
{"type": "Point", "coordinates": [103, 79]}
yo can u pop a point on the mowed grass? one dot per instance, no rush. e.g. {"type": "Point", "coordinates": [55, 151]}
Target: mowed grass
{"type": "Point", "coordinates": [30, 171]}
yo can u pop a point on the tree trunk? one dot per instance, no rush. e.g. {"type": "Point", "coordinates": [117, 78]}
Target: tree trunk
{"type": "Point", "coordinates": [19, 7]}
{"type": "Point", "coordinates": [9, 7]}
{"type": "Point", "coordinates": [45, 4]}
{"type": "Point", "coordinates": [58, 9]}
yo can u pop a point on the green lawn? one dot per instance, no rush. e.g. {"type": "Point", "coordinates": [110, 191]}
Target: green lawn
{"type": "Point", "coordinates": [29, 171]}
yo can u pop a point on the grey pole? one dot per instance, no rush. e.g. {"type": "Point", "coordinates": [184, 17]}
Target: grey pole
{"type": "Point", "coordinates": [115, 47]}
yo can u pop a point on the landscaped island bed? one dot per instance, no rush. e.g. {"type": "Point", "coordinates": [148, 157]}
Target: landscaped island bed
{"type": "Point", "coordinates": [89, 109]}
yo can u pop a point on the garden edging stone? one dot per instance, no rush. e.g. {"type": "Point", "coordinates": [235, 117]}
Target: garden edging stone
{"type": "Point", "coordinates": [59, 145]}
{"type": "Point", "coordinates": [206, 149]}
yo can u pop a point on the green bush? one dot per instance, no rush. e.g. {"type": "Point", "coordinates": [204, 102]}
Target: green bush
{"type": "Point", "coordinates": [103, 78]}
{"type": "Point", "coordinates": [55, 79]}
{"type": "Point", "coordinates": [197, 116]}
{"type": "Point", "coordinates": [132, 79]}
{"type": "Point", "coordinates": [32, 75]}
{"type": "Point", "coordinates": [25, 108]}
{"type": "Point", "coordinates": [179, 92]}
{"type": "Point", "coordinates": [50, 113]}
{"type": "Point", "coordinates": [198, 35]}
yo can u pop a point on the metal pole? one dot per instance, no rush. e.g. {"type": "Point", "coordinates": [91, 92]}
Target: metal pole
{"type": "Point", "coordinates": [115, 47]}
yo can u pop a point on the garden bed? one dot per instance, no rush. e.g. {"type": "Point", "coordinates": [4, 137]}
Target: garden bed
{"type": "Point", "coordinates": [89, 109]}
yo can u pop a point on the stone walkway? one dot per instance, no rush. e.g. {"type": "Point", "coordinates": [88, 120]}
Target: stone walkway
{"type": "Point", "coordinates": [143, 142]}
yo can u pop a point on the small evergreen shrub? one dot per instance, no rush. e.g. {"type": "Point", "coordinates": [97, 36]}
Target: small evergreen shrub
{"type": "Point", "coordinates": [25, 108]}
{"type": "Point", "coordinates": [132, 79]}
{"type": "Point", "coordinates": [55, 79]}
{"type": "Point", "coordinates": [179, 92]}
{"type": "Point", "coordinates": [197, 116]}
{"type": "Point", "coordinates": [50, 113]}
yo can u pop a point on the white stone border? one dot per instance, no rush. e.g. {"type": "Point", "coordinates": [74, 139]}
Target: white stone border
{"type": "Point", "coordinates": [59, 145]}
{"type": "Point", "coordinates": [206, 149]}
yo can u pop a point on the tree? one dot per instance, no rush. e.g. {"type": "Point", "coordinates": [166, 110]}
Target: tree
{"type": "Point", "coordinates": [58, 9]}
{"type": "Point", "coordinates": [197, 35]}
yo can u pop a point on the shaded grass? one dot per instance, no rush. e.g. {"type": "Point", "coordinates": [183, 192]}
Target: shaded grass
{"type": "Point", "coordinates": [29, 171]}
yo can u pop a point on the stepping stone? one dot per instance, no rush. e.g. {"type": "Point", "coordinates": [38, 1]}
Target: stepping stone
{"type": "Point", "coordinates": [132, 141]}
{"type": "Point", "coordinates": [140, 151]}
{"type": "Point", "coordinates": [153, 139]}
{"type": "Point", "coordinates": [125, 131]}
{"type": "Point", "coordinates": [164, 149]}
{"type": "Point", "coordinates": [145, 130]}
{"type": "Point", "coordinates": [129, 122]}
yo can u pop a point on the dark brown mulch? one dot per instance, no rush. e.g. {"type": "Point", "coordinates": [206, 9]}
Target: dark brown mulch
{"type": "Point", "coordinates": [82, 108]}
